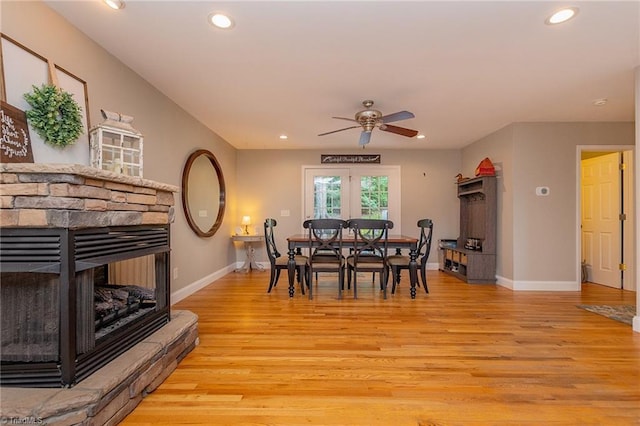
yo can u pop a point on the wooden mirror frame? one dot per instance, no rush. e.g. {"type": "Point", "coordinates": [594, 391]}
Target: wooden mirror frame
{"type": "Point", "coordinates": [185, 192]}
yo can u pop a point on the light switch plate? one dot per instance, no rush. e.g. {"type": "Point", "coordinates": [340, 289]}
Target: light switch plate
{"type": "Point", "coordinates": [285, 213]}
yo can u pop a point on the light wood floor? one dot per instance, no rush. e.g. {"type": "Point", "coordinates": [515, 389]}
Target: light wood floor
{"type": "Point", "coordinates": [462, 355]}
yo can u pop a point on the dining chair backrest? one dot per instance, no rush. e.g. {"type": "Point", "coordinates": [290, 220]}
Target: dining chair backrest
{"type": "Point", "coordinates": [370, 237]}
{"type": "Point", "coordinates": [424, 243]}
{"type": "Point", "coordinates": [325, 236]}
{"type": "Point", "coordinates": [272, 250]}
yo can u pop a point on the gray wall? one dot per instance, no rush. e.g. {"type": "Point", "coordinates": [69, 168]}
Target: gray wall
{"type": "Point", "coordinates": [537, 235]}
{"type": "Point", "coordinates": [170, 133]}
{"type": "Point", "coordinates": [498, 146]}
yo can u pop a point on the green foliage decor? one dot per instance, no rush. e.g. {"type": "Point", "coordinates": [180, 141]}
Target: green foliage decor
{"type": "Point", "coordinates": [54, 115]}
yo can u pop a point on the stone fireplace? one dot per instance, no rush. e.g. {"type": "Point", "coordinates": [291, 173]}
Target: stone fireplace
{"type": "Point", "coordinates": [65, 232]}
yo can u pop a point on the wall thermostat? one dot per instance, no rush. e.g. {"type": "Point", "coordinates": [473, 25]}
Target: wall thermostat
{"type": "Point", "coordinates": [542, 191]}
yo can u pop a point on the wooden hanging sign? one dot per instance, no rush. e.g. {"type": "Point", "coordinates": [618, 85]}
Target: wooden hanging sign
{"type": "Point", "coordinates": [350, 158]}
{"type": "Point", "coordinates": [15, 145]}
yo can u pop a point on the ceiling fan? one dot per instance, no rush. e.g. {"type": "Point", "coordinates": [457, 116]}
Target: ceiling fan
{"type": "Point", "coordinates": [370, 118]}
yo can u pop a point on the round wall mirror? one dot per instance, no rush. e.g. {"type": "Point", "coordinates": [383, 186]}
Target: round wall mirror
{"type": "Point", "coordinates": [203, 193]}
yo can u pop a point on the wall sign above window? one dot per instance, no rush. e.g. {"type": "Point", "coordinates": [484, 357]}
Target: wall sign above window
{"type": "Point", "coordinates": [350, 158]}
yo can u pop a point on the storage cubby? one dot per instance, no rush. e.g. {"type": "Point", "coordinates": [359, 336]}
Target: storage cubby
{"type": "Point", "coordinates": [474, 257]}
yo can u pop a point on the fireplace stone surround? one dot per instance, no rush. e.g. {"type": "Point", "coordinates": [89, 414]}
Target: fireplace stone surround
{"type": "Point", "coordinates": [80, 208]}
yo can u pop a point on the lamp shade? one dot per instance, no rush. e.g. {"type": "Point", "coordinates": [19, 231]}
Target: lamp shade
{"type": "Point", "coordinates": [246, 220]}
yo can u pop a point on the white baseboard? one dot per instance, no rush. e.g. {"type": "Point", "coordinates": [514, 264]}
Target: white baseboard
{"type": "Point", "coordinates": [538, 285]}
{"type": "Point", "coordinates": [201, 283]}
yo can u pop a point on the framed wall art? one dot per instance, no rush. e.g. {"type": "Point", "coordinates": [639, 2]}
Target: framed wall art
{"type": "Point", "coordinates": [22, 69]}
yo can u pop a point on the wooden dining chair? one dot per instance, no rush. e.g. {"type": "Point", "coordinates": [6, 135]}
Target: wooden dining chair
{"type": "Point", "coordinates": [398, 262]}
{"type": "Point", "coordinates": [279, 262]}
{"type": "Point", "coordinates": [369, 252]}
{"type": "Point", "coordinates": [325, 242]}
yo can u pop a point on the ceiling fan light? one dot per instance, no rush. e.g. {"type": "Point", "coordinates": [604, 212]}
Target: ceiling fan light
{"type": "Point", "coordinates": [562, 15]}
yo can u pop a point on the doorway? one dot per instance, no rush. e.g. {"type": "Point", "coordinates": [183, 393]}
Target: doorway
{"type": "Point", "coordinates": [606, 226]}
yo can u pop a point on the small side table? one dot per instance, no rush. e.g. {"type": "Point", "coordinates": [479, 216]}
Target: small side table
{"type": "Point", "coordinates": [249, 241]}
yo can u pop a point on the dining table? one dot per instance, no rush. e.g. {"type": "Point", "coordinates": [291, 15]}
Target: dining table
{"type": "Point", "coordinates": [298, 242]}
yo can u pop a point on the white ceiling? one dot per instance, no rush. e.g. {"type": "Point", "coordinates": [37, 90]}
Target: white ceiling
{"type": "Point", "coordinates": [465, 69]}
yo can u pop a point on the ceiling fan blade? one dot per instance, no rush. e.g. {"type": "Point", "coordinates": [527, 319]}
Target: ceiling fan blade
{"type": "Point", "coordinates": [339, 130]}
{"type": "Point", "coordinates": [348, 119]}
{"type": "Point", "coordinates": [399, 130]}
{"type": "Point", "coordinates": [397, 116]}
{"type": "Point", "coordinates": [365, 137]}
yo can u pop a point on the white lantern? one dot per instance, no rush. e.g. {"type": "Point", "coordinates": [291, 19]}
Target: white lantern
{"type": "Point", "coordinates": [116, 146]}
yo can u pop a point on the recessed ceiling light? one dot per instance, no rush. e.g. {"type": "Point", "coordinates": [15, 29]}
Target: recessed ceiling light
{"type": "Point", "coordinates": [220, 20]}
{"type": "Point", "coordinates": [600, 102]}
{"type": "Point", "coordinates": [562, 15]}
{"type": "Point", "coordinates": [115, 4]}
{"type": "Point", "coordinates": [284, 137]}
{"type": "Point", "coordinates": [420, 136]}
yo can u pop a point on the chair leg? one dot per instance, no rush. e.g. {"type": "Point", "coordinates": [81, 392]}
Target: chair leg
{"type": "Point", "coordinates": [423, 274]}
{"type": "Point", "coordinates": [310, 282]}
{"type": "Point", "coordinates": [272, 279]}
{"type": "Point", "coordinates": [395, 274]}
{"type": "Point", "coordinates": [355, 283]}
{"type": "Point", "coordinates": [383, 281]}
{"type": "Point", "coordinates": [386, 277]}
{"type": "Point", "coordinates": [301, 277]}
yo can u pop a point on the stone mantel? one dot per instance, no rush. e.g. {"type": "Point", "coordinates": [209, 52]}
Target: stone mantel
{"type": "Point", "coordinates": [85, 172]}
{"type": "Point", "coordinates": [76, 196]}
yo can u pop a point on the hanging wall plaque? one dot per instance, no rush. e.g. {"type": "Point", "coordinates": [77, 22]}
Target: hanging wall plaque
{"type": "Point", "coordinates": [350, 158]}
{"type": "Point", "coordinates": [15, 145]}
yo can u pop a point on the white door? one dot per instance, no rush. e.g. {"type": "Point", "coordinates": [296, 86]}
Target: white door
{"type": "Point", "coordinates": [375, 193]}
{"type": "Point", "coordinates": [326, 193]}
{"type": "Point", "coordinates": [359, 191]}
{"type": "Point", "coordinates": [601, 233]}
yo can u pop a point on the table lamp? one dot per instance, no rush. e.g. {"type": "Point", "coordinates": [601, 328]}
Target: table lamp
{"type": "Point", "coordinates": [246, 221]}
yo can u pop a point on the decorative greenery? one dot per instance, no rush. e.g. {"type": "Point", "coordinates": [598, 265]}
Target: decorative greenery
{"type": "Point", "coordinates": [54, 115]}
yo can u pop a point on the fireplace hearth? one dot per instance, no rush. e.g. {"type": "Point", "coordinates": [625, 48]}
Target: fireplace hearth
{"type": "Point", "coordinates": [63, 226]}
